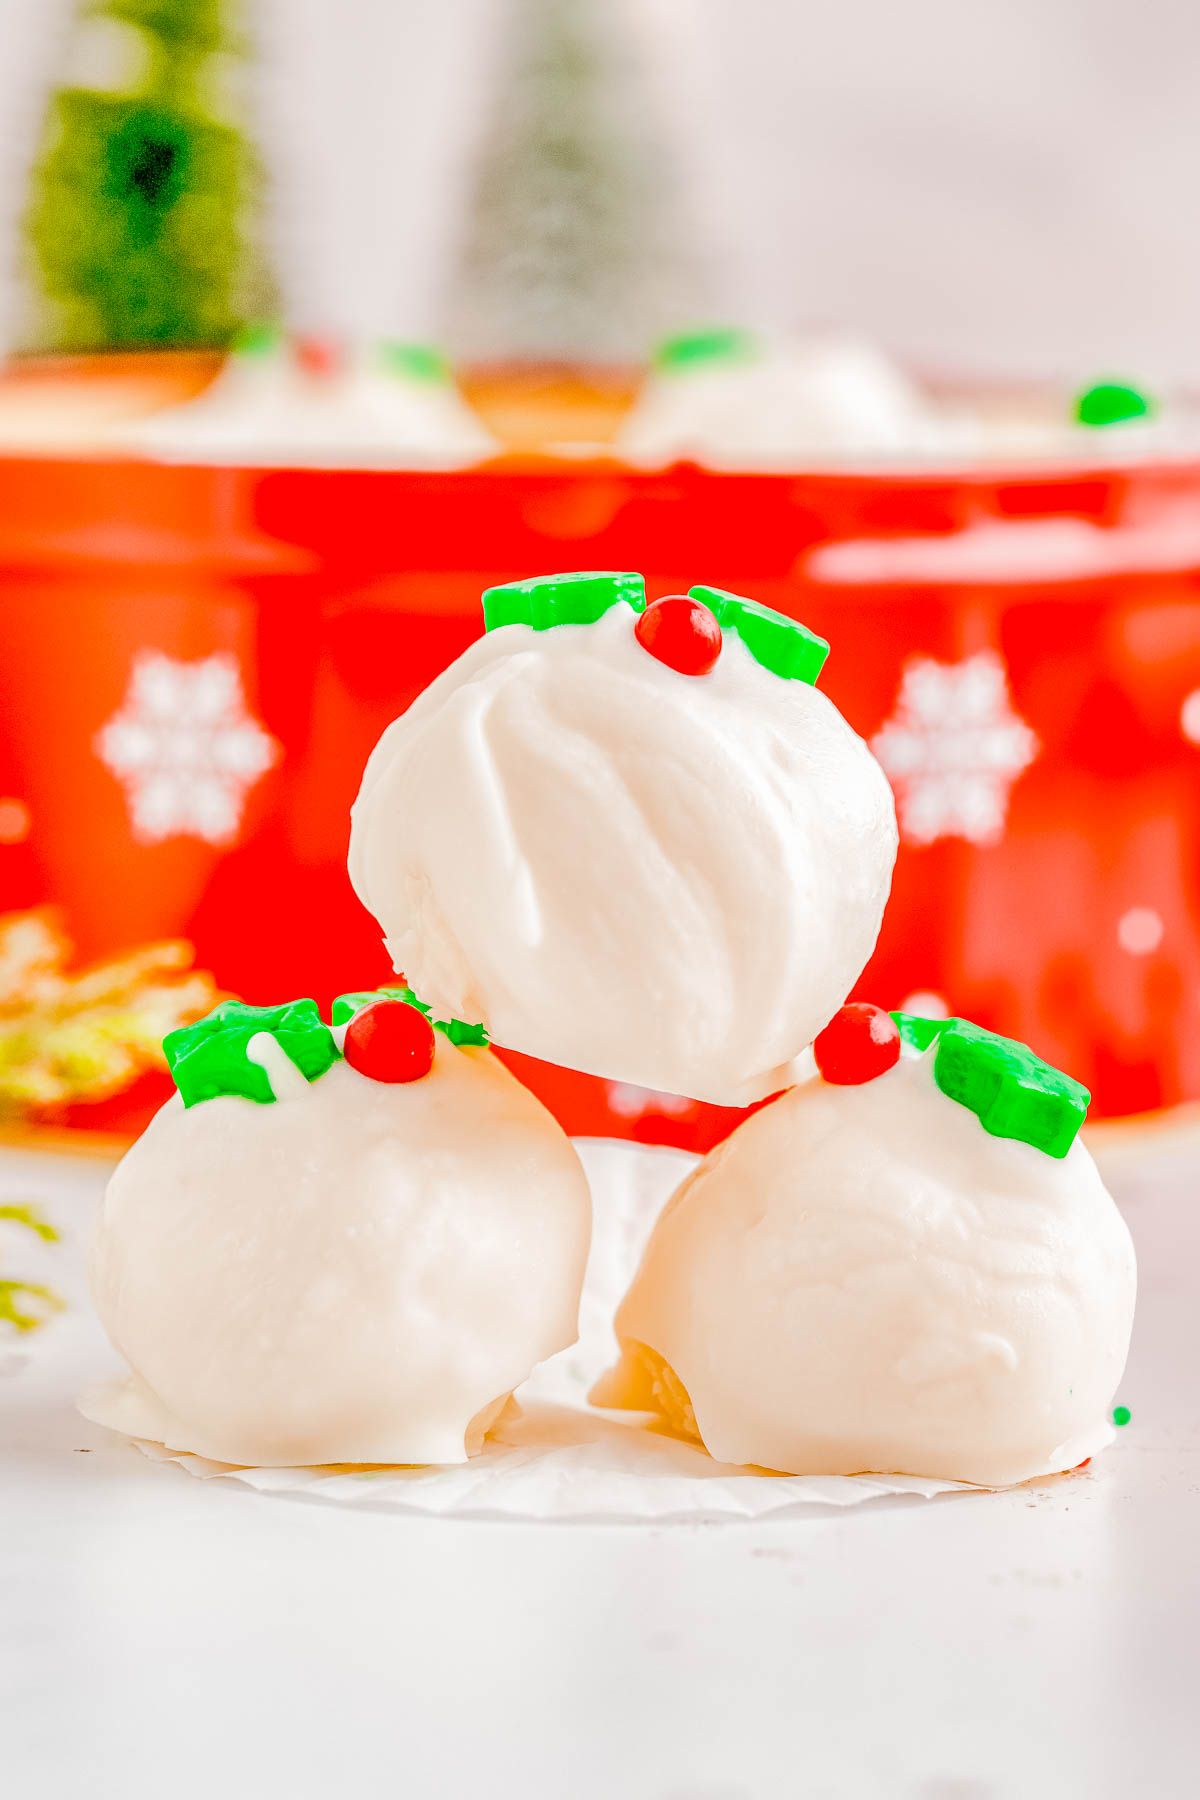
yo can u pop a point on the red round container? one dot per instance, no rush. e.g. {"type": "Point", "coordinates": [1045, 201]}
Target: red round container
{"type": "Point", "coordinates": [1023, 650]}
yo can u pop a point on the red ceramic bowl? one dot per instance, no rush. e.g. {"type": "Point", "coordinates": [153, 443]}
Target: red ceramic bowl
{"type": "Point", "coordinates": [196, 663]}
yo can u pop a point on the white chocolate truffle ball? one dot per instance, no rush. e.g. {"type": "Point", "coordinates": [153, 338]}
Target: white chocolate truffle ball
{"type": "Point", "coordinates": [359, 1272]}
{"type": "Point", "coordinates": [771, 406]}
{"type": "Point", "coordinates": [861, 1279]}
{"type": "Point", "coordinates": [663, 879]}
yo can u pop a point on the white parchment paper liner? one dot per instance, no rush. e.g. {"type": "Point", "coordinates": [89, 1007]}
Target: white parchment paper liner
{"type": "Point", "coordinates": [559, 1459]}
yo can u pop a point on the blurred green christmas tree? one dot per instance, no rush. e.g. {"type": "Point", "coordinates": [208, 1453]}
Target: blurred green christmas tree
{"type": "Point", "coordinates": [138, 210]}
{"type": "Point", "coordinates": [578, 246]}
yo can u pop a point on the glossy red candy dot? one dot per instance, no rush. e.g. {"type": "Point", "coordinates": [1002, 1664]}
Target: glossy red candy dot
{"type": "Point", "coordinates": [680, 632]}
{"type": "Point", "coordinates": [389, 1041]}
{"type": "Point", "coordinates": [859, 1043]}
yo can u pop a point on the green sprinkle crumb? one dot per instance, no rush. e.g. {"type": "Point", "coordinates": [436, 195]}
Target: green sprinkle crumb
{"type": "Point", "coordinates": [1112, 403]}
{"type": "Point", "coordinates": [1121, 1415]}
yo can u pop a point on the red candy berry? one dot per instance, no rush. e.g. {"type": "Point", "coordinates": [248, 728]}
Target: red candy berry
{"type": "Point", "coordinates": [859, 1043]}
{"type": "Point", "coordinates": [681, 633]}
{"type": "Point", "coordinates": [389, 1041]}
{"type": "Point", "coordinates": [319, 356]}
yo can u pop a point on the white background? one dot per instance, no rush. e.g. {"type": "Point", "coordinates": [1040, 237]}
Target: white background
{"type": "Point", "coordinates": [981, 184]}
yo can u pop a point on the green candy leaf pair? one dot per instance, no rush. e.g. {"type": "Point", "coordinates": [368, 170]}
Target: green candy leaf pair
{"type": "Point", "coordinates": [1011, 1091]}
{"type": "Point", "coordinates": [782, 645]}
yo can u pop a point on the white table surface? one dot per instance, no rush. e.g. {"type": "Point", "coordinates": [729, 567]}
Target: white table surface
{"type": "Point", "coordinates": [162, 1636]}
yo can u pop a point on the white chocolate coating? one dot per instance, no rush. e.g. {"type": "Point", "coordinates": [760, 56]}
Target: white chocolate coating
{"type": "Point", "coordinates": [835, 401]}
{"type": "Point", "coordinates": [262, 409]}
{"type": "Point", "coordinates": [821, 399]}
{"type": "Point", "coordinates": [355, 1274]}
{"type": "Point", "coordinates": [662, 879]}
{"type": "Point", "coordinates": [861, 1280]}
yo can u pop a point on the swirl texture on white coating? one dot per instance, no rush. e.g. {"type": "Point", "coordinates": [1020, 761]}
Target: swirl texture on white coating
{"type": "Point", "coordinates": [657, 878]}
{"type": "Point", "coordinates": [861, 1279]}
{"type": "Point", "coordinates": [355, 1273]}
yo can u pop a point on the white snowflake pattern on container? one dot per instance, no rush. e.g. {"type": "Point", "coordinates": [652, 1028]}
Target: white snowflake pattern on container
{"type": "Point", "coordinates": [184, 748]}
{"type": "Point", "coordinates": [953, 748]}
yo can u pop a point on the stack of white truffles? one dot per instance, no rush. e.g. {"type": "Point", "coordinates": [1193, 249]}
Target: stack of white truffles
{"type": "Point", "coordinates": [638, 841]}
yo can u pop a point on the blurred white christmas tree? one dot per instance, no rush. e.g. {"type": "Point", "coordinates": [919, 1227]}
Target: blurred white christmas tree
{"type": "Point", "coordinates": [577, 247]}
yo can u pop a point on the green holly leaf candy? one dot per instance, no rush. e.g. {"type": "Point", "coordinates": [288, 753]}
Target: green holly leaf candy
{"type": "Point", "coordinates": [457, 1031]}
{"type": "Point", "coordinates": [789, 649]}
{"type": "Point", "coordinates": [346, 1005]}
{"type": "Point", "coordinates": [209, 1058]}
{"type": "Point", "coordinates": [462, 1035]}
{"type": "Point", "coordinates": [920, 1033]}
{"type": "Point", "coordinates": [547, 600]}
{"type": "Point", "coordinates": [1011, 1091]}
{"type": "Point", "coordinates": [259, 340]}
{"type": "Point", "coordinates": [705, 348]}
{"type": "Point", "coordinates": [1112, 403]}
{"type": "Point", "coordinates": [419, 362]}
